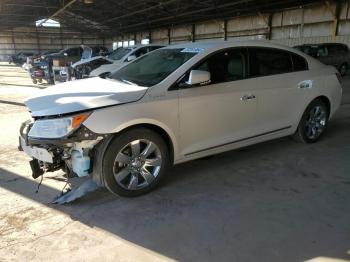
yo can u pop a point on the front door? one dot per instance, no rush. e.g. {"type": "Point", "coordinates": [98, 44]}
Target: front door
{"type": "Point", "coordinates": [221, 112]}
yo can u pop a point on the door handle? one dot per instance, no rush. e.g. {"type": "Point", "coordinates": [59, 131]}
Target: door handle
{"type": "Point", "coordinates": [305, 84]}
{"type": "Point", "coordinates": [247, 97]}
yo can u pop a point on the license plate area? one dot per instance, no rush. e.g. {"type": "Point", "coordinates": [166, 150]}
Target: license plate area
{"type": "Point", "coordinates": [36, 152]}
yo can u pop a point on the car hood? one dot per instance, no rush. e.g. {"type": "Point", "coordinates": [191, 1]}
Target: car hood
{"type": "Point", "coordinates": [88, 60]}
{"type": "Point", "coordinates": [107, 68]}
{"type": "Point", "coordinates": [80, 95]}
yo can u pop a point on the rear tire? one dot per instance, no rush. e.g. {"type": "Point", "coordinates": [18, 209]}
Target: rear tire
{"type": "Point", "coordinates": [313, 123]}
{"type": "Point", "coordinates": [135, 162]}
{"type": "Point", "coordinates": [343, 69]}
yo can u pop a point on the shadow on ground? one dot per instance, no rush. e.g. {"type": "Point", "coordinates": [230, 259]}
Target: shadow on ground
{"type": "Point", "coordinates": [279, 200]}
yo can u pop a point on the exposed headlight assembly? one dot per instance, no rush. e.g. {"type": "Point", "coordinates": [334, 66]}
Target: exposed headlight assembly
{"type": "Point", "coordinates": [58, 127]}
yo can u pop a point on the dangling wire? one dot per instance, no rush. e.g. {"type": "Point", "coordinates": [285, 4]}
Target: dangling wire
{"type": "Point", "coordinates": [67, 181]}
{"type": "Point", "coordinates": [41, 181]}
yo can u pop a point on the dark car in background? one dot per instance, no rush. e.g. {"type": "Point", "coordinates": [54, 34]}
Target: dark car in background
{"type": "Point", "coordinates": [20, 58]}
{"type": "Point", "coordinates": [59, 64]}
{"type": "Point", "coordinates": [91, 58]}
{"type": "Point", "coordinates": [334, 54]}
{"type": "Point", "coordinates": [38, 66]}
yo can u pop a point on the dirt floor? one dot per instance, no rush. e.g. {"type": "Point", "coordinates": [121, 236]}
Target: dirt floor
{"type": "Point", "coordinates": [275, 201]}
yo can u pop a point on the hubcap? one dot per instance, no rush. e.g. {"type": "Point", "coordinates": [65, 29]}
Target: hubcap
{"type": "Point", "coordinates": [137, 164]}
{"type": "Point", "coordinates": [316, 122]}
{"type": "Point", "coordinates": [343, 70]}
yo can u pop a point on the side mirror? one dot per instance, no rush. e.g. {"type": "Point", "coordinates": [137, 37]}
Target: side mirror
{"type": "Point", "coordinates": [198, 77]}
{"type": "Point", "coordinates": [131, 57]}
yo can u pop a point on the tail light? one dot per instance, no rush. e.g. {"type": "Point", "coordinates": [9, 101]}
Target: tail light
{"type": "Point", "coordinates": [340, 79]}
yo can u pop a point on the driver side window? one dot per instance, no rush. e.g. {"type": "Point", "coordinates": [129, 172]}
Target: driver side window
{"type": "Point", "coordinates": [225, 66]}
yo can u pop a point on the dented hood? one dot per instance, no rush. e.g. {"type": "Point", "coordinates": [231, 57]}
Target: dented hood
{"type": "Point", "coordinates": [70, 97]}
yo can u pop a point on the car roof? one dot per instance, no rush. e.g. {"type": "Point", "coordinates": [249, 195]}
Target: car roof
{"type": "Point", "coordinates": [213, 45]}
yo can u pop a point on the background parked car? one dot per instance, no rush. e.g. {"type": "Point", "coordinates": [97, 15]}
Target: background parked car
{"type": "Point", "coordinates": [121, 56]}
{"type": "Point", "coordinates": [334, 54]}
{"type": "Point", "coordinates": [20, 58]}
{"type": "Point", "coordinates": [38, 66]}
{"type": "Point", "coordinates": [91, 58]}
{"type": "Point", "coordinates": [60, 66]}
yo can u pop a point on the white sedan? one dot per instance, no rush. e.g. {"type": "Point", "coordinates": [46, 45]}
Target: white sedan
{"type": "Point", "coordinates": [121, 57]}
{"type": "Point", "coordinates": [177, 104]}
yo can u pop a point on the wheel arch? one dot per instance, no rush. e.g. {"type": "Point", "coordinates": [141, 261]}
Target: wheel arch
{"type": "Point", "coordinates": [164, 132]}
{"type": "Point", "coordinates": [326, 101]}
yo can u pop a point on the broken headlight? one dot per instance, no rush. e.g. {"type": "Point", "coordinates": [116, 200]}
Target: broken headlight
{"type": "Point", "coordinates": [58, 127]}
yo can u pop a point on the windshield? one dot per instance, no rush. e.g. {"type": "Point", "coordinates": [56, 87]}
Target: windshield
{"type": "Point", "coordinates": [153, 67]}
{"type": "Point", "coordinates": [119, 53]}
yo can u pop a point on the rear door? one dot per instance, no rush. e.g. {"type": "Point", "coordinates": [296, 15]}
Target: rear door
{"type": "Point", "coordinates": [222, 112]}
{"type": "Point", "coordinates": [279, 74]}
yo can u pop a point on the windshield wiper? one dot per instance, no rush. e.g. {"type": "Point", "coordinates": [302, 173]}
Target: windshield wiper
{"type": "Point", "coordinates": [128, 82]}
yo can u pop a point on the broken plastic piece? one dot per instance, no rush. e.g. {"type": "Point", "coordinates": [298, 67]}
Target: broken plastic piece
{"type": "Point", "coordinates": [86, 187]}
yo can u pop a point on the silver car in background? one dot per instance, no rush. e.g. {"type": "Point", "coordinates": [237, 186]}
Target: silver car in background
{"type": "Point", "coordinates": [176, 104]}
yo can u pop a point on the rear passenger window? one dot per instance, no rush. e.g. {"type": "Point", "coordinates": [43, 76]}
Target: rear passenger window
{"type": "Point", "coordinates": [269, 61]}
{"type": "Point", "coordinates": [299, 63]}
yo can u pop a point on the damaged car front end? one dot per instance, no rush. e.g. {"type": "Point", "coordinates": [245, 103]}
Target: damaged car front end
{"type": "Point", "coordinates": [59, 143]}
{"type": "Point", "coordinates": [57, 137]}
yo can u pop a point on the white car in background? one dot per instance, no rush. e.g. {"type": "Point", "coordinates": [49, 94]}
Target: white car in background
{"type": "Point", "coordinates": [176, 104]}
{"type": "Point", "coordinates": [122, 56]}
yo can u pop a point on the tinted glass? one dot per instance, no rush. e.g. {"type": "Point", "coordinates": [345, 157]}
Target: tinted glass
{"type": "Point", "coordinates": [299, 63]}
{"type": "Point", "coordinates": [226, 66]}
{"type": "Point", "coordinates": [337, 49]}
{"type": "Point", "coordinates": [142, 51]}
{"type": "Point", "coordinates": [269, 61]}
{"type": "Point", "coordinates": [153, 67]}
{"type": "Point", "coordinates": [155, 47]}
{"type": "Point", "coordinates": [119, 53]}
{"type": "Point", "coordinates": [73, 52]}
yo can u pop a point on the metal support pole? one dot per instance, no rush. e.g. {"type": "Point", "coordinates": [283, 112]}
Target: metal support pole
{"type": "Point", "coordinates": [336, 19]}
{"type": "Point", "coordinates": [37, 40]}
{"type": "Point", "coordinates": [269, 26]}
{"type": "Point", "coordinates": [301, 34]}
{"type": "Point", "coordinates": [169, 36]}
{"type": "Point", "coordinates": [225, 30]}
{"type": "Point", "coordinates": [61, 40]}
{"type": "Point", "coordinates": [13, 41]}
{"type": "Point", "coordinates": [193, 33]}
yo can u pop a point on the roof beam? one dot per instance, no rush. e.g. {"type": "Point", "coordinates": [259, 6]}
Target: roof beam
{"type": "Point", "coordinates": [140, 11]}
{"type": "Point", "coordinates": [58, 12]}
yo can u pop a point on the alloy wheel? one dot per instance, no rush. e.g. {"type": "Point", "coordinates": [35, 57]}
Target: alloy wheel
{"type": "Point", "coordinates": [315, 122]}
{"type": "Point", "coordinates": [137, 164]}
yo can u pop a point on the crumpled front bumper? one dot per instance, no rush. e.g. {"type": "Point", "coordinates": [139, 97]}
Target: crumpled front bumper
{"type": "Point", "coordinates": [73, 154]}
{"type": "Point", "coordinates": [45, 157]}
{"type": "Point", "coordinates": [54, 154]}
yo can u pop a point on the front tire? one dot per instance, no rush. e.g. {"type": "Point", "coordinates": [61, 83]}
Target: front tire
{"type": "Point", "coordinates": [135, 162]}
{"type": "Point", "coordinates": [313, 122]}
